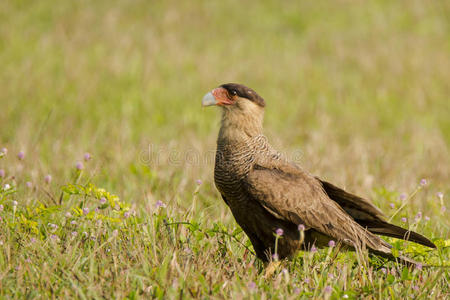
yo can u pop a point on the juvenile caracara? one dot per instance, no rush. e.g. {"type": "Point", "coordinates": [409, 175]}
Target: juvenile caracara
{"type": "Point", "coordinates": [266, 192]}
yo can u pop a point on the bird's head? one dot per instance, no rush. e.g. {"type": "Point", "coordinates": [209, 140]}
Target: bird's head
{"type": "Point", "coordinates": [233, 96]}
{"type": "Point", "coordinates": [242, 107]}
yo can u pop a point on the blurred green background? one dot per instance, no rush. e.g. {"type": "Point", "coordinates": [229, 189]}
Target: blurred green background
{"type": "Point", "coordinates": [361, 88]}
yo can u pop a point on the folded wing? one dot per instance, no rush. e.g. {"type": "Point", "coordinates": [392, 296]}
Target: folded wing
{"type": "Point", "coordinates": [369, 216]}
{"type": "Point", "coordinates": [295, 196]}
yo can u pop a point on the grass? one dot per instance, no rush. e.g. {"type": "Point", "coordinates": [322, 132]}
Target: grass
{"type": "Point", "coordinates": [357, 93]}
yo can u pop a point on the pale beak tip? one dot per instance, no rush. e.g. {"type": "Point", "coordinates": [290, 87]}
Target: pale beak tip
{"type": "Point", "coordinates": [209, 100]}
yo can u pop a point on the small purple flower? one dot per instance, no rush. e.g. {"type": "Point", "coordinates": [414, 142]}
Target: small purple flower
{"type": "Point", "coordinates": [53, 226]}
{"type": "Point", "coordinates": [279, 231]}
{"type": "Point", "coordinates": [423, 182]}
{"type": "Point", "coordinates": [301, 227]}
{"type": "Point", "coordinates": [440, 195]}
{"type": "Point", "coordinates": [275, 257]}
{"type": "Point", "coordinates": [313, 249]}
{"type": "Point", "coordinates": [54, 237]}
{"type": "Point", "coordinates": [73, 222]}
{"type": "Point", "coordinates": [6, 187]}
{"type": "Point", "coordinates": [403, 220]}
{"type": "Point", "coordinates": [32, 240]}
{"type": "Point", "coordinates": [85, 210]}
{"type": "Point", "coordinates": [331, 275]}
{"type": "Point", "coordinates": [4, 151]}
{"type": "Point", "coordinates": [199, 181]}
{"type": "Point", "coordinates": [14, 203]}
{"type": "Point", "coordinates": [384, 270]}
{"type": "Point", "coordinates": [79, 165]}
{"type": "Point", "coordinates": [297, 291]}
{"type": "Point", "coordinates": [251, 286]}
{"type": "Point", "coordinates": [307, 280]}
{"type": "Point", "coordinates": [427, 218]}
{"type": "Point", "coordinates": [331, 243]}
{"type": "Point", "coordinates": [68, 215]}
{"type": "Point", "coordinates": [87, 156]}
{"type": "Point", "coordinates": [102, 200]}
{"type": "Point", "coordinates": [28, 260]}
{"type": "Point", "coordinates": [443, 209]}
{"type": "Point", "coordinates": [159, 204]}
{"type": "Point", "coordinates": [1, 207]}
{"type": "Point", "coordinates": [419, 266]}
{"type": "Point", "coordinates": [2, 173]}
{"type": "Point", "coordinates": [74, 233]}
{"type": "Point", "coordinates": [21, 155]}
{"type": "Point", "coordinates": [29, 184]}
{"type": "Point", "coordinates": [419, 216]}
{"type": "Point", "coordinates": [403, 196]}
{"type": "Point", "coordinates": [126, 214]}
{"type": "Point", "coordinates": [48, 179]}
{"type": "Point", "coordinates": [416, 288]}
{"type": "Point", "coordinates": [392, 205]}
{"type": "Point", "coordinates": [328, 289]}
{"type": "Point", "coordinates": [115, 232]}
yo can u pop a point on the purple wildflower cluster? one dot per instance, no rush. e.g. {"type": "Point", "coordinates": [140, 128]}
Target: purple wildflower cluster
{"type": "Point", "coordinates": [79, 166]}
{"type": "Point", "coordinates": [159, 204]}
{"type": "Point", "coordinates": [87, 156]}
{"type": "Point", "coordinates": [21, 155]}
{"type": "Point", "coordinates": [252, 286]}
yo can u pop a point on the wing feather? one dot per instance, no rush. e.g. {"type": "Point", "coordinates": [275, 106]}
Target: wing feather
{"type": "Point", "coordinates": [369, 216]}
{"type": "Point", "coordinates": [298, 197]}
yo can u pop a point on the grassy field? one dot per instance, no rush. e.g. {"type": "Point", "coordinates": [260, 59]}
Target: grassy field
{"type": "Point", "coordinates": [357, 92]}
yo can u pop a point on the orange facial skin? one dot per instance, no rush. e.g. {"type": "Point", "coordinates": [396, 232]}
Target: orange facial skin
{"type": "Point", "coordinates": [222, 96]}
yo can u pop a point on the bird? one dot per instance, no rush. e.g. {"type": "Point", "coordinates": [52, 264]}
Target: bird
{"type": "Point", "coordinates": [269, 195]}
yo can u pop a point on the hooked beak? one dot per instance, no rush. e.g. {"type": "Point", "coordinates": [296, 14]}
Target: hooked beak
{"type": "Point", "coordinates": [209, 100]}
{"type": "Point", "coordinates": [218, 96]}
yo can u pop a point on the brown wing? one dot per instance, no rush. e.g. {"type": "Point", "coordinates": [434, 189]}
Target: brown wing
{"type": "Point", "coordinates": [357, 207]}
{"type": "Point", "coordinates": [369, 216]}
{"type": "Point", "coordinates": [297, 197]}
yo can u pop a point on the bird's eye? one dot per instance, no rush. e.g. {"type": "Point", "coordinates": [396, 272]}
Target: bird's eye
{"type": "Point", "coordinates": [233, 92]}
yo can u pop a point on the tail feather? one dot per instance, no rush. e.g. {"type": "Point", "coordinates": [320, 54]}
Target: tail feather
{"type": "Point", "coordinates": [384, 228]}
